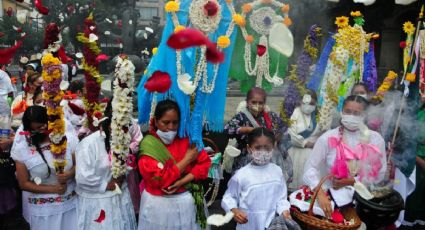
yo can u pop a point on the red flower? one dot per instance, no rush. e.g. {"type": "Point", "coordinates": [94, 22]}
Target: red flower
{"type": "Point", "coordinates": [337, 217]}
{"type": "Point", "coordinates": [299, 196]}
{"type": "Point", "coordinates": [187, 38]}
{"type": "Point", "coordinates": [261, 50]}
{"type": "Point", "coordinates": [210, 8]}
{"type": "Point", "coordinates": [42, 9]}
{"type": "Point", "coordinates": [403, 44]}
{"type": "Point", "coordinates": [98, 115]}
{"type": "Point", "coordinates": [159, 82]}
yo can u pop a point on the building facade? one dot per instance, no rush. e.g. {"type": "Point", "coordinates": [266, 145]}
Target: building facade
{"type": "Point", "coordinates": [149, 11]}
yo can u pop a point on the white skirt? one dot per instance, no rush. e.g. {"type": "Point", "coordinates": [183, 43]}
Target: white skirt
{"type": "Point", "coordinates": [174, 212]}
{"type": "Point", "coordinates": [119, 212]}
{"type": "Point", "coordinates": [62, 221]}
{"type": "Point", "coordinates": [299, 157]}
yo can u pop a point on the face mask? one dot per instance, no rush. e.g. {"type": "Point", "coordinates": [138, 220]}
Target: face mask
{"type": "Point", "coordinates": [261, 157]}
{"type": "Point", "coordinates": [307, 108]}
{"type": "Point", "coordinates": [351, 122]}
{"type": "Point", "coordinates": [256, 109]}
{"type": "Point", "coordinates": [363, 95]}
{"type": "Point", "coordinates": [40, 104]}
{"type": "Point", "coordinates": [166, 137]}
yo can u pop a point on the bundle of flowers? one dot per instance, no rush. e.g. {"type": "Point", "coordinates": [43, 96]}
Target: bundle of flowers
{"type": "Point", "coordinates": [385, 86]}
{"type": "Point", "coordinates": [52, 76]}
{"type": "Point", "coordinates": [91, 59]}
{"type": "Point", "coordinates": [121, 116]}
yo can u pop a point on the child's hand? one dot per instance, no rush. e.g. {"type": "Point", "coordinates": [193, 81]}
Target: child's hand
{"type": "Point", "coordinates": [240, 217]}
{"type": "Point", "coordinates": [287, 215]}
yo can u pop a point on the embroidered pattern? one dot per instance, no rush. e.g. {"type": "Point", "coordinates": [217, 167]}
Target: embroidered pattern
{"type": "Point", "coordinates": [51, 200]}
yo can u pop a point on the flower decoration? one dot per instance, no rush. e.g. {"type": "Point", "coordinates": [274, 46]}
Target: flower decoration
{"type": "Point", "coordinates": [409, 28]}
{"type": "Point", "coordinates": [52, 76]}
{"type": "Point", "coordinates": [287, 21]}
{"type": "Point", "coordinates": [179, 28]}
{"type": "Point", "coordinates": [223, 42]}
{"type": "Point", "coordinates": [356, 14]}
{"type": "Point", "coordinates": [91, 73]}
{"type": "Point", "coordinates": [172, 6]}
{"type": "Point", "coordinates": [154, 50]}
{"type": "Point", "coordinates": [385, 86]}
{"type": "Point", "coordinates": [246, 8]}
{"type": "Point", "coordinates": [211, 8]}
{"type": "Point", "coordinates": [285, 8]}
{"type": "Point", "coordinates": [122, 115]}
{"type": "Point", "coordinates": [249, 39]}
{"type": "Point", "coordinates": [410, 77]}
{"type": "Point", "coordinates": [239, 20]}
{"type": "Point", "coordinates": [337, 217]}
{"type": "Point", "coordinates": [341, 22]}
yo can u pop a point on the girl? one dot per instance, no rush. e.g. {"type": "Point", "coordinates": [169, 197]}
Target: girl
{"type": "Point", "coordinates": [95, 185]}
{"type": "Point", "coordinates": [304, 123]}
{"type": "Point", "coordinates": [361, 90]}
{"type": "Point", "coordinates": [254, 115]}
{"type": "Point", "coordinates": [50, 199]}
{"type": "Point", "coordinates": [257, 191]}
{"type": "Point", "coordinates": [349, 152]}
{"type": "Point", "coordinates": [167, 164]}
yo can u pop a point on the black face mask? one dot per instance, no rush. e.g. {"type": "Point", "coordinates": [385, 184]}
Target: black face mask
{"type": "Point", "coordinates": [37, 137]}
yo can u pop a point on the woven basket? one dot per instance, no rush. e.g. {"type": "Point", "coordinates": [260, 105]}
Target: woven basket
{"type": "Point", "coordinates": [310, 222]}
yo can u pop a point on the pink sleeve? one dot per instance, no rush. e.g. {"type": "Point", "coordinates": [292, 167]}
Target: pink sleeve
{"type": "Point", "coordinates": [136, 137]}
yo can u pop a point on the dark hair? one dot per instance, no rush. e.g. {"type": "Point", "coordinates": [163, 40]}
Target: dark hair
{"type": "Point", "coordinates": [37, 114]}
{"type": "Point", "coordinates": [259, 132]}
{"type": "Point", "coordinates": [164, 106]}
{"type": "Point", "coordinates": [106, 125]}
{"type": "Point", "coordinates": [37, 92]}
{"type": "Point", "coordinates": [359, 84]}
{"type": "Point", "coordinates": [33, 77]}
{"type": "Point", "coordinates": [256, 90]}
{"type": "Point", "coordinates": [76, 85]}
{"type": "Point", "coordinates": [358, 99]}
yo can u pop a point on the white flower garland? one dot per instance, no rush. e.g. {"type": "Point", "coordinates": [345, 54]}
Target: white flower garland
{"type": "Point", "coordinates": [262, 64]}
{"type": "Point", "coordinates": [206, 25]}
{"type": "Point", "coordinates": [121, 116]}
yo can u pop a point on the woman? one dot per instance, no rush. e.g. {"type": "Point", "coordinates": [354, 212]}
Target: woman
{"type": "Point", "coordinates": [361, 90]}
{"type": "Point", "coordinates": [38, 97]}
{"type": "Point", "coordinates": [51, 200]}
{"type": "Point", "coordinates": [99, 205]}
{"type": "Point", "coordinates": [22, 101]}
{"type": "Point", "coordinates": [350, 152]}
{"type": "Point", "coordinates": [304, 123]}
{"type": "Point", "coordinates": [253, 116]}
{"type": "Point", "coordinates": [168, 164]}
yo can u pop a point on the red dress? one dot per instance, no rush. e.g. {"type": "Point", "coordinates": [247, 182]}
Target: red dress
{"type": "Point", "coordinates": [157, 176]}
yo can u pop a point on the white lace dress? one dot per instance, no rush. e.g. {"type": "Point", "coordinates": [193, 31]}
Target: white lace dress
{"type": "Point", "coordinates": [93, 172]}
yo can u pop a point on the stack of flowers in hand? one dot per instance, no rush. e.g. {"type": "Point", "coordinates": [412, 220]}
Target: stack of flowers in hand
{"type": "Point", "coordinates": [52, 76]}
{"type": "Point", "coordinates": [122, 115]}
{"type": "Point", "coordinates": [301, 199]}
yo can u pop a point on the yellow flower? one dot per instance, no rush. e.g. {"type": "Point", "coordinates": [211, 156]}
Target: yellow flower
{"type": "Point", "coordinates": [285, 8]}
{"type": "Point", "coordinates": [410, 77]}
{"type": "Point", "coordinates": [179, 28]}
{"type": "Point", "coordinates": [154, 50]}
{"type": "Point", "coordinates": [341, 21]}
{"type": "Point", "coordinates": [249, 39]}
{"type": "Point", "coordinates": [172, 6]}
{"type": "Point", "coordinates": [223, 42]}
{"type": "Point", "coordinates": [356, 14]}
{"type": "Point", "coordinates": [287, 21]}
{"type": "Point", "coordinates": [229, 1]}
{"type": "Point", "coordinates": [239, 20]}
{"type": "Point", "coordinates": [391, 75]}
{"type": "Point", "coordinates": [246, 8]}
{"type": "Point", "coordinates": [408, 28]}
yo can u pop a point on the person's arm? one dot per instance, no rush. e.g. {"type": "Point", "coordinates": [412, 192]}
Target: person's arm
{"type": "Point", "coordinates": [234, 128]}
{"type": "Point", "coordinates": [282, 206]}
{"type": "Point", "coordinates": [230, 201]}
{"type": "Point", "coordinates": [420, 162]}
{"type": "Point", "coordinates": [25, 184]}
{"type": "Point", "coordinates": [202, 166]}
{"type": "Point", "coordinates": [64, 177]}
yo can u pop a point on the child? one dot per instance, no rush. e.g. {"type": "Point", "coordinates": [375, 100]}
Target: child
{"type": "Point", "coordinates": [257, 191]}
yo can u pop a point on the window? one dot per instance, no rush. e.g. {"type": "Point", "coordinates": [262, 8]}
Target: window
{"type": "Point", "coordinates": [147, 13]}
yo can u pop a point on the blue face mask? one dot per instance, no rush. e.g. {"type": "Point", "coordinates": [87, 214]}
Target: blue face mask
{"type": "Point", "coordinates": [166, 137]}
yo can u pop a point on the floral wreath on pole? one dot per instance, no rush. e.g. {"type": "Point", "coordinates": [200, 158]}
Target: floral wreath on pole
{"type": "Point", "coordinates": [92, 57]}
{"type": "Point", "coordinates": [205, 15]}
{"type": "Point", "coordinates": [262, 18]}
{"type": "Point", "coordinates": [122, 115]}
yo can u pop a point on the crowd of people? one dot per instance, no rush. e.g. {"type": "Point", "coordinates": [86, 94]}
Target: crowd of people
{"type": "Point", "coordinates": [159, 190]}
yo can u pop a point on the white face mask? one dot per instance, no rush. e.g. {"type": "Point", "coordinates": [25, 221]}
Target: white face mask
{"type": "Point", "coordinates": [351, 122]}
{"type": "Point", "coordinates": [261, 157]}
{"type": "Point", "coordinates": [166, 137]}
{"type": "Point", "coordinates": [307, 108]}
{"type": "Point", "coordinates": [363, 95]}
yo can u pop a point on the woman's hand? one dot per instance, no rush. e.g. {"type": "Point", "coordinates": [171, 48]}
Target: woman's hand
{"type": "Point", "coordinates": [287, 214]}
{"type": "Point", "coordinates": [340, 183]}
{"type": "Point", "coordinates": [64, 177]}
{"type": "Point", "coordinates": [115, 182]}
{"type": "Point", "coordinates": [192, 153]}
{"type": "Point", "coordinates": [239, 216]}
{"type": "Point", "coordinates": [324, 203]}
{"type": "Point", "coordinates": [59, 188]}
{"type": "Point", "coordinates": [5, 143]}
{"type": "Point", "coordinates": [309, 145]}
{"type": "Point", "coordinates": [173, 188]}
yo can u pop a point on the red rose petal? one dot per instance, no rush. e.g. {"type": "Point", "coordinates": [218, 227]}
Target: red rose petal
{"type": "Point", "coordinates": [213, 55]}
{"type": "Point", "coordinates": [101, 217]}
{"type": "Point", "coordinates": [210, 8]}
{"type": "Point", "coordinates": [102, 57]}
{"type": "Point", "coordinates": [159, 82]}
{"type": "Point", "coordinates": [187, 38]}
{"type": "Point", "coordinates": [42, 9]}
{"type": "Point", "coordinates": [261, 50]}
